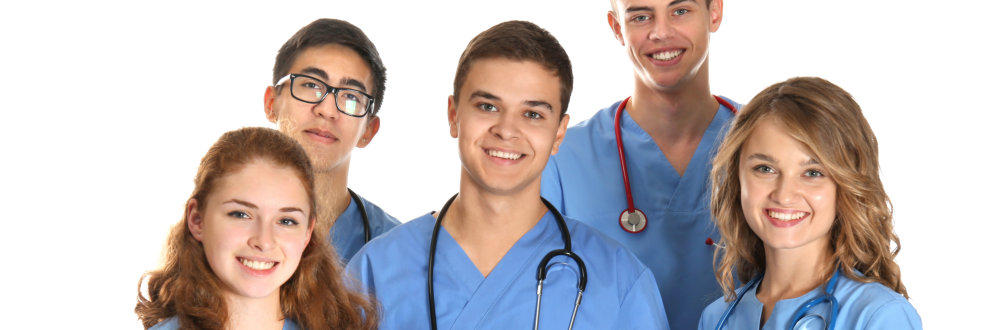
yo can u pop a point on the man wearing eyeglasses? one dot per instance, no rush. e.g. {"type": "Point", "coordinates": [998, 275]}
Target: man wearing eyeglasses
{"type": "Point", "coordinates": [327, 86]}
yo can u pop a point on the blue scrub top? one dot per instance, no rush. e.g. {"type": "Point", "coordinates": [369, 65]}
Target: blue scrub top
{"type": "Point", "coordinates": [620, 293]}
{"type": "Point", "coordinates": [584, 182]}
{"type": "Point", "coordinates": [347, 233]}
{"type": "Point", "coordinates": [860, 306]}
{"type": "Point", "coordinates": [172, 324]}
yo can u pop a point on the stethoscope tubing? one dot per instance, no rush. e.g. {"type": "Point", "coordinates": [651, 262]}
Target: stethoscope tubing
{"type": "Point", "coordinates": [364, 216]}
{"type": "Point", "coordinates": [629, 199]}
{"type": "Point", "coordinates": [541, 269]}
{"type": "Point", "coordinates": [805, 308]}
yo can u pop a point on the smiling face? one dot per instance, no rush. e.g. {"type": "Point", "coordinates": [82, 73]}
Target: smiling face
{"type": "Point", "coordinates": [667, 40]}
{"type": "Point", "coordinates": [508, 121]}
{"type": "Point", "coordinates": [326, 134]}
{"type": "Point", "coordinates": [788, 198]}
{"type": "Point", "coordinates": [254, 228]}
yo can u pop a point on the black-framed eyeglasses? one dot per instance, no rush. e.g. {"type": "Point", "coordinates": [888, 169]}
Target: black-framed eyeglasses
{"type": "Point", "coordinates": [312, 90]}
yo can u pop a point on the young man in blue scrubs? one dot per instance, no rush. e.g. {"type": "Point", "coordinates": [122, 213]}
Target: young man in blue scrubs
{"type": "Point", "coordinates": [511, 92]}
{"type": "Point", "coordinates": [669, 129]}
{"type": "Point", "coordinates": [327, 86]}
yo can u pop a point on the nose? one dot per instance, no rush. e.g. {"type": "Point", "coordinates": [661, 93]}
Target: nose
{"type": "Point", "coordinates": [505, 127]}
{"type": "Point", "coordinates": [262, 238]}
{"type": "Point", "coordinates": [661, 29]}
{"type": "Point", "coordinates": [786, 191]}
{"type": "Point", "coordinates": [327, 109]}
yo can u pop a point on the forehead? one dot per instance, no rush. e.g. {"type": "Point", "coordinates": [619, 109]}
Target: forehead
{"type": "Point", "coordinates": [520, 80]}
{"type": "Point", "coordinates": [620, 5]}
{"type": "Point", "coordinates": [336, 61]}
{"type": "Point", "coordinates": [262, 181]}
{"type": "Point", "coordinates": [770, 136]}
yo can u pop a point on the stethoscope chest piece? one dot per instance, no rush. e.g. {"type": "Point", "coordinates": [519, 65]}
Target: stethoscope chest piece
{"type": "Point", "coordinates": [633, 221]}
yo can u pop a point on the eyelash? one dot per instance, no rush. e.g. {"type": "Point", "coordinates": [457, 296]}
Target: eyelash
{"type": "Point", "coordinates": [284, 222]}
{"type": "Point", "coordinates": [487, 107]}
{"type": "Point", "coordinates": [239, 214]}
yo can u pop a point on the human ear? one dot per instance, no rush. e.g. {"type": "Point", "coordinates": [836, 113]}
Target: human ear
{"type": "Point", "coordinates": [270, 99]}
{"type": "Point", "coordinates": [714, 15]}
{"type": "Point", "coordinates": [193, 218]}
{"type": "Point", "coordinates": [560, 135]}
{"type": "Point", "coordinates": [612, 20]}
{"type": "Point", "coordinates": [452, 115]}
{"type": "Point", "coordinates": [372, 126]}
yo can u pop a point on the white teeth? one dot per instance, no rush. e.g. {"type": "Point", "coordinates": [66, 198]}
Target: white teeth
{"type": "Point", "coordinates": [257, 265]}
{"type": "Point", "coordinates": [503, 154]}
{"type": "Point", "coordinates": [666, 56]}
{"type": "Point", "coordinates": [786, 216]}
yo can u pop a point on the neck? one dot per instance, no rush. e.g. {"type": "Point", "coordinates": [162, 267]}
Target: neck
{"type": "Point", "coordinates": [674, 112]}
{"type": "Point", "coordinates": [254, 313]}
{"type": "Point", "coordinates": [792, 273]}
{"type": "Point", "coordinates": [332, 196]}
{"type": "Point", "coordinates": [487, 224]}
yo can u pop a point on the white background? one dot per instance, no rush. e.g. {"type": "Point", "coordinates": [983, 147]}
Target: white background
{"type": "Point", "coordinates": [107, 109]}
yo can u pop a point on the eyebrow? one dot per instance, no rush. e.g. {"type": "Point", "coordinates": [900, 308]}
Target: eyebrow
{"type": "Point", "coordinates": [529, 103]}
{"type": "Point", "coordinates": [345, 81]}
{"type": "Point", "coordinates": [243, 203]}
{"type": "Point", "coordinates": [253, 206]}
{"type": "Point", "coordinates": [763, 157]}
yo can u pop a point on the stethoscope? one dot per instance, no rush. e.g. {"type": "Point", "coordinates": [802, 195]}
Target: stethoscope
{"type": "Point", "coordinates": [801, 314]}
{"type": "Point", "coordinates": [542, 268]}
{"type": "Point", "coordinates": [362, 212]}
{"type": "Point", "coordinates": [633, 220]}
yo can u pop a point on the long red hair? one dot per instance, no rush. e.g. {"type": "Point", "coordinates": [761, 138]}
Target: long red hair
{"type": "Point", "coordinates": [315, 296]}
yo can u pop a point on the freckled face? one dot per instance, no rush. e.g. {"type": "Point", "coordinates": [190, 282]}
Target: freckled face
{"type": "Point", "coordinates": [254, 228]}
{"type": "Point", "coordinates": [788, 198]}
{"type": "Point", "coordinates": [508, 122]}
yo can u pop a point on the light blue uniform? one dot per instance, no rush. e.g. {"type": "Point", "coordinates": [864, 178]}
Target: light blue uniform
{"type": "Point", "coordinates": [860, 306]}
{"type": "Point", "coordinates": [620, 291]}
{"type": "Point", "coordinates": [172, 324]}
{"type": "Point", "coordinates": [584, 181]}
{"type": "Point", "coordinates": [347, 233]}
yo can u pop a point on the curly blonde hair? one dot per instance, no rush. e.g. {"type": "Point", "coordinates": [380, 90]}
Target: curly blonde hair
{"type": "Point", "coordinates": [830, 123]}
{"type": "Point", "coordinates": [186, 287]}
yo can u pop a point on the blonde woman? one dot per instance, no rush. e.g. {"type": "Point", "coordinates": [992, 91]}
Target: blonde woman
{"type": "Point", "coordinates": [805, 222]}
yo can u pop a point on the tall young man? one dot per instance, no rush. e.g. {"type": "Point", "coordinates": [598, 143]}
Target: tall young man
{"type": "Point", "coordinates": [327, 86]}
{"type": "Point", "coordinates": [478, 260]}
{"type": "Point", "coordinates": [655, 200]}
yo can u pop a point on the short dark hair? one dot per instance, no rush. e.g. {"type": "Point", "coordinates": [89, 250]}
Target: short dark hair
{"type": "Point", "coordinates": [326, 31]}
{"type": "Point", "coordinates": [520, 41]}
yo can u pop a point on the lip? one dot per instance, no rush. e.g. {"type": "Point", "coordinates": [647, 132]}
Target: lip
{"type": "Point", "coordinates": [670, 62]}
{"type": "Point", "coordinates": [257, 272]}
{"type": "Point", "coordinates": [782, 223]}
{"type": "Point", "coordinates": [321, 135]}
{"type": "Point", "coordinates": [500, 160]}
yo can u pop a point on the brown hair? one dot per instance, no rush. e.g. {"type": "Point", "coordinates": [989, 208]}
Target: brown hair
{"type": "Point", "coordinates": [327, 31]}
{"type": "Point", "coordinates": [830, 123]}
{"type": "Point", "coordinates": [186, 287]}
{"type": "Point", "coordinates": [518, 41]}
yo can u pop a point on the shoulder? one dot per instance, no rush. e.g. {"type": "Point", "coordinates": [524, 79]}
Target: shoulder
{"type": "Point", "coordinates": [378, 217]}
{"type": "Point", "coordinates": [169, 324]}
{"type": "Point", "coordinates": [875, 305]}
{"type": "Point", "coordinates": [601, 120]}
{"type": "Point", "coordinates": [401, 236]}
{"type": "Point", "coordinates": [711, 314]}
{"type": "Point", "coordinates": [603, 250]}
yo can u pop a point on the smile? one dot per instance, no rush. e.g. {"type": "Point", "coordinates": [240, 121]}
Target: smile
{"type": "Point", "coordinates": [504, 155]}
{"type": "Point", "coordinates": [257, 265]}
{"type": "Point", "coordinates": [787, 216]}
{"type": "Point", "coordinates": [666, 55]}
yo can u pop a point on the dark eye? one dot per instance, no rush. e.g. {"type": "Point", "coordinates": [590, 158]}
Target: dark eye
{"type": "Point", "coordinates": [288, 222]}
{"type": "Point", "coordinates": [487, 107]}
{"type": "Point", "coordinates": [680, 11]}
{"type": "Point", "coordinates": [311, 85]}
{"type": "Point", "coordinates": [239, 214]}
{"type": "Point", "coordinates": [763, 169]}
{"type": "Point", "coordinates": [533, 115]}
